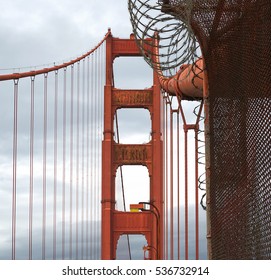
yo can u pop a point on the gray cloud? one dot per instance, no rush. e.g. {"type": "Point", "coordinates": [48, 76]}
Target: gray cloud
{"type": "Point", "coordinates": [42, 32]}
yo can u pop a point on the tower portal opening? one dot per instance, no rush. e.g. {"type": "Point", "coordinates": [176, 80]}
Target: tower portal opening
{"type": "Point", "coordinates": [132, 186]}
{"type": "Point", "coordinates": [132, 126]}
{"type": "Point", "coordinates": [136, 68]}
{"type": "Point", "coordinates": [132, 245]}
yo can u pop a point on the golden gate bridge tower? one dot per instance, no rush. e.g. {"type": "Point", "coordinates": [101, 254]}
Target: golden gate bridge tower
{"type": "Point", "coordinates": [116, 223]}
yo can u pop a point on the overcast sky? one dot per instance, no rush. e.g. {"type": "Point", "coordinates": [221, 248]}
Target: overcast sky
{"type": "Point", "coordinates": [39, 33]}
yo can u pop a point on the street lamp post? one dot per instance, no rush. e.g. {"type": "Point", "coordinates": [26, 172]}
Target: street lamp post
{"type": "Point", "coordinates": [157, 216]}
{"type": "Point", "coordinates": [140, 207]}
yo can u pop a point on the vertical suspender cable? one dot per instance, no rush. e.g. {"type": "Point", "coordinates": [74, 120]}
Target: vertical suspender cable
{"type": "Point", "coordinates": [55, 163]}
{"type": "Point", "coordinates": [77, 159]}
{"type": "Point", "coordinates": [178, 185]}
{"type": "Point", "coordinates": [31, 149]}
{"type": "Point", "coordinates": [87, 167]}
{"type": "Point", "coordinates": [44, 166]}
{"type": "Point", "coordinates": [95, 127]}
{"type": "Point", "coordinates": [98, 141]}
{"type": "Point", "coordinates": [166, 183]}
{"type": "Point", "coordinates": [185, 128]}
{"type": "Point", "coordinates": [186, 192]}
{"type": "Point", "coordinates": [71, 162]}
{"type": "Point", "coordinates": [101, 80]}
{"type": "Point", "coordinates": [171, 188]}
{"type": "Point", "coordinates": [83, 162]}
{"type": "Point", "coordinates": [64, 164]}
{"type": "Point", "coordinates": [164, 160]}
{"type": "Point", "coordinates": [196, 197]}
{"type": "Point", "coordinates": [91, 159]}
{"type": "Point", "coordinates": [95, 154]}
{"type": "Point", "coordinates": [14, 176]}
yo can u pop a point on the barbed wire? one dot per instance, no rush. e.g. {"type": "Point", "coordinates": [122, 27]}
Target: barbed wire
{"type": "Point", "coordinates": [172, 49]}
{"type": "Point", "coordinates": [177, 44]}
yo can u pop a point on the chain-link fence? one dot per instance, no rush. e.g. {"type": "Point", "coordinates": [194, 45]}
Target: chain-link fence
{"type": "Point", "coordinates": [236, 43]}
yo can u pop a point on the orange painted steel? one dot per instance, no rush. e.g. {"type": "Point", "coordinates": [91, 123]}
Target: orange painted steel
{"type": "Point", "coordinates": [15, 76]}
{"type": "Point", "coordinates": [187, 82]}
{"type": "Point", "coordinates": [116, 223]}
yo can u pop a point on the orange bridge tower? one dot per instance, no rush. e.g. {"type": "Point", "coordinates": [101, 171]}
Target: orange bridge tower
{"type": "Point", "coordinates": [149, 222]}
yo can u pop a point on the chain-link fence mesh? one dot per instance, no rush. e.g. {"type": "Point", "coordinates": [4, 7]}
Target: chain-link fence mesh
{"type": "Point", "coordinates": [236, 41]}
{"type": "Point", "coordinates": [235, 38]}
